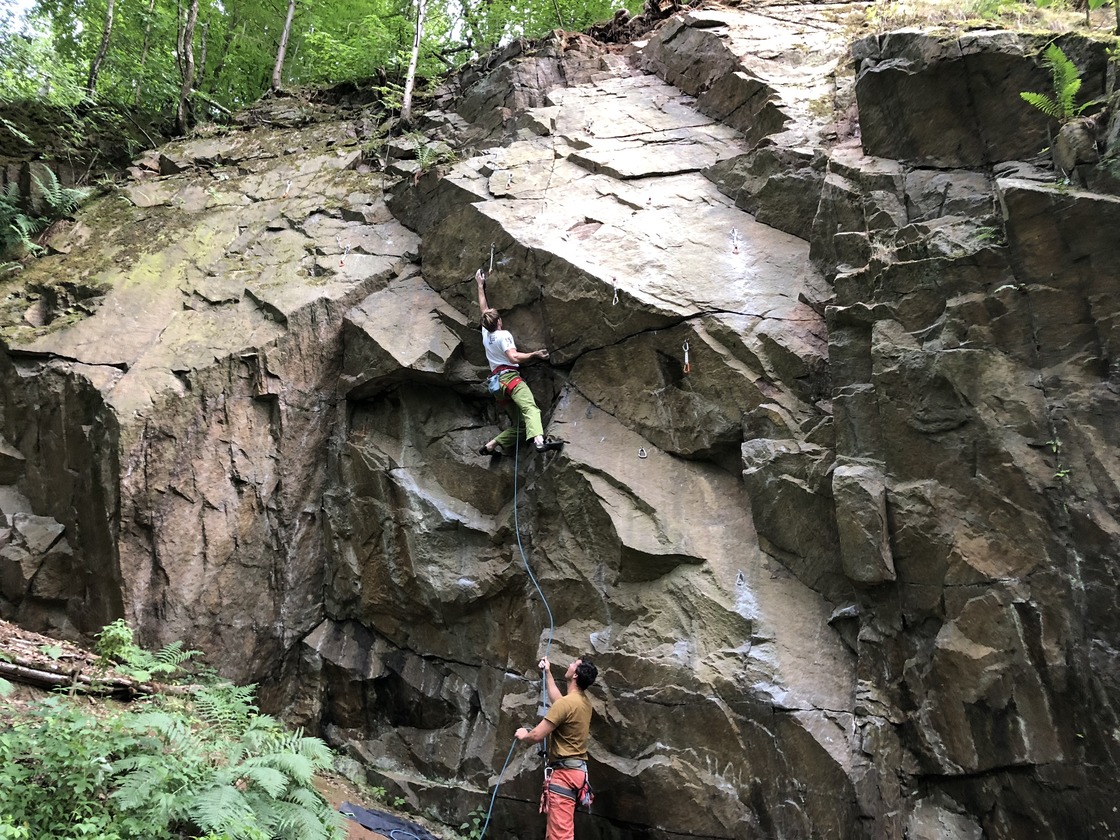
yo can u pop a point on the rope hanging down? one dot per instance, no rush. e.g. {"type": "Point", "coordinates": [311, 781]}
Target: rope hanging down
{"type": "Point", "coordinates": [548, 609]}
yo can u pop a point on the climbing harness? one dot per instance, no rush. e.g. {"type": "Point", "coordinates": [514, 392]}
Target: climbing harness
{"type": "Point", "coordinates": [687, 364]}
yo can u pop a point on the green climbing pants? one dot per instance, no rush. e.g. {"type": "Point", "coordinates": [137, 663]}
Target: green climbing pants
{"type": "Point", "coordinates": [523, 412]}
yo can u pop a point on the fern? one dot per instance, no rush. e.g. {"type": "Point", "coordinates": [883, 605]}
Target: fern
{"type": "Point", "coordinates": [1066, 82]}
{"type": "Point", "coordinates": [225, 809]}
{"type": "Point", "coordinates": [170, 767]}
{"type": "Point", "coordinates": [61, 200]}
{"type": "Point", "coordinates": [227, 708]}
{"type": "Point", "coordinates": [16, 227]}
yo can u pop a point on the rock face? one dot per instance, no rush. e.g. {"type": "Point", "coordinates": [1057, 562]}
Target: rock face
{"type": "Point", "coordinates": [836, 516]}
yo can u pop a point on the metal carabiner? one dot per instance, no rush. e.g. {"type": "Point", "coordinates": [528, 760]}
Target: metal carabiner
{"type": "Point", "coordinates": [687, 364]}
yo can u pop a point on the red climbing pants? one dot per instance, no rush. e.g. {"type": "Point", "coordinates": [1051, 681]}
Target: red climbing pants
{"type": "Point", "coordinates": [562, 809]}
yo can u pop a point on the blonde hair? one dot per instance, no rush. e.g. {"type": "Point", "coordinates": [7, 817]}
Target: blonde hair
{"type": "Point", "coordinates": [490, 319]}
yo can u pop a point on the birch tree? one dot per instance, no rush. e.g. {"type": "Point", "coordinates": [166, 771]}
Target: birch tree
{"type": "Point", "coordinates": [102, 49]}
{"type": "Point", "coordinates": [278, 67]}
{"type": "Point", "coordinates": [410, 76]}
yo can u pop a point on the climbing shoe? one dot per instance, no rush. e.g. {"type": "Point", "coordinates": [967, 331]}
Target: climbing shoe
{"type": "Point", "coordinates": [493, 453]}
{"type": "Point", "coordinates": [548, 445]}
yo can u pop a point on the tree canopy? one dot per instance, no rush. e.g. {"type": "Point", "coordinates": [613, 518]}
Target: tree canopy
{"type": "Point", "coordinates": [224, 54]}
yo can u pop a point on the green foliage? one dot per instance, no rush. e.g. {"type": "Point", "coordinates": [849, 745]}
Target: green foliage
{"type": "Point", "coordinates": [16, 226]}
{"type": "Point", "coordinates": [987, 9]}
{"type": "Point", "coordinates": [238, 772]}
{"type": "Point", "coordinates": [48, 55]}
{"type": "Point", "coordinates": [488, 25]}
{"type": "Point", "coordinates": [428, 154]}
{"type": "Point", "coordinates": [61, 201]}
{"type": "Point", "coordinates": [115, 642]}
{"type": "Point", "coordinates": [1066, 82]}
{"type": "Point", "coordinates": [60, 748]}
{"type": "Point", "coordinates": [31, 68]}
{"type": "Point", "coordinates": [203, 764]}
{"type": "Point", "coordinates": [471, 829]}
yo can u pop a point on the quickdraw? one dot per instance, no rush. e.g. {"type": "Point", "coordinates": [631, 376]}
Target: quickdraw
{"type": "Point", "coordinates": [687, 364]}
{"type": "Point", "coordinates": [544, 789]}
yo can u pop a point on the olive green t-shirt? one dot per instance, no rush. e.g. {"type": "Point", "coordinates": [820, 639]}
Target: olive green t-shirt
{"type": "Point", "coordinates": [571, 715]}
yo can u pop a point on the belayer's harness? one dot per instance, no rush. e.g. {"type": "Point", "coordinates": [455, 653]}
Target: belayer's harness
{"type": "Point", "coordinates": [582, 795]}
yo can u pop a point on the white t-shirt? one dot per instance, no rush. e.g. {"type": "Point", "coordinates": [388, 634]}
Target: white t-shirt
{"type": "Point", "coordinates": [496, 344]}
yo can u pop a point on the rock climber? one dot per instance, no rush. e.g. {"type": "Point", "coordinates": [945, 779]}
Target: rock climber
{"type": "Point", "coordinates": [514, 396]}
{"type": "Point", "coordinates": [568, 727]}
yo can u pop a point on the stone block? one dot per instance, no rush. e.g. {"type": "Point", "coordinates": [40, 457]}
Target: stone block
{"type": "Point", "coordinates": [861, 518]}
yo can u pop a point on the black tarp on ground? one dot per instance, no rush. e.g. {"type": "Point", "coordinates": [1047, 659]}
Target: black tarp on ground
{"type": "Point", "coordinates": [385, 824]}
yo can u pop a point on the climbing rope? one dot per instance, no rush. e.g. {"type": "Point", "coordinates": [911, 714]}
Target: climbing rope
{"type": "Point", "coordinates": [548, 609]}
{"type": "Point", "coordinates": [497, 784]}
{"type": "Point", "coordinates": [525, 560]}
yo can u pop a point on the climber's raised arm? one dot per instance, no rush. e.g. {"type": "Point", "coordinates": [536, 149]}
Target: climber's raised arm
{"type": "Point", "coordinates": [480, 279]}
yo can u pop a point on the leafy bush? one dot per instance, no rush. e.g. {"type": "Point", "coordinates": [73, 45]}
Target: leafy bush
{"type": "Point", "coordinates": [172, 766]}
{"type": "Point", "coordinates": [115, 642]}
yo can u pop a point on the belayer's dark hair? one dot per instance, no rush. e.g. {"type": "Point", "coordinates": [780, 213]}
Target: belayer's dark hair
{"type": "Point", "coordinates": [586, 672]}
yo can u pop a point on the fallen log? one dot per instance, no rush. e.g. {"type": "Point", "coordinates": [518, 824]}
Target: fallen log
{"type": "Point", "coordinates": [123, 688]}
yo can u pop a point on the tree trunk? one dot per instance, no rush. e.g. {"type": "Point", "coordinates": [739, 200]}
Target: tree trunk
{"type": "Point", "coordinates": [186, 61]}
{"type": "Point", "coordinates": [95, 65]}
{"type": "Point", "coordinates": [144, 53]}
{"type": "Point", "coordinates": [278, 68]}
{"type": "Point", "coordinates": [410, 78]}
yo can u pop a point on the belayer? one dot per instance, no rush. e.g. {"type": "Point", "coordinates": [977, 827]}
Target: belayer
{"type": "Point", "coordinates": [567, 725]}
{"type": "Point", "coordinates": [505, 382]}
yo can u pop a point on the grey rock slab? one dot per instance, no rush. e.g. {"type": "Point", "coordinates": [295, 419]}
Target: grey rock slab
{"type": "Point", "coordinates": [670, 153]}
{"type": "Point", "coordinates": [37, 533]}
{"type": "Point", "coordinates": [797, 660]}
{"type": "Point", "coordinates": [402, 328]}
{"type": "Point", "coordinates": [719, 258]}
